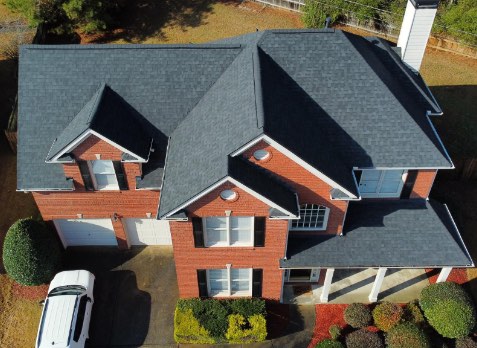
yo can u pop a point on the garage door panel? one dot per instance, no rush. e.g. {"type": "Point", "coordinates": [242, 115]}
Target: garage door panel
{"type": "Point", "coordinates": [148, 232]}
{"type": "Point", "coordinates": [78, 232]}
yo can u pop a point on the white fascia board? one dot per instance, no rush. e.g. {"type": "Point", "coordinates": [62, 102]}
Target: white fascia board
{"type": "Point", "coordinates": [458, 233]}
{"type": "Point", "coordinates": [83, 136]}
{"type": "Point", "coordinates": [294, 158]}
{"type": "Point", "coordinates": [43, 190]}
{"type": "Point", "coordinates": [236, 183]}
{"type": "Point", "coordinates": [402, 168]}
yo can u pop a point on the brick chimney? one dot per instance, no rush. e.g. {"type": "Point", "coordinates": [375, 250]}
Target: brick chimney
{"type": "Point", "coordinates": [415, 30]}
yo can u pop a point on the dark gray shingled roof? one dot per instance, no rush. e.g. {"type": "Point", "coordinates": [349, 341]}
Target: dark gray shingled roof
{"type": "Point", "coordinates": [109, 115]}
{"type": "Point", "coordinates": [161, 82]}
{"type": "Point", "coordinates": [336, 100]}
{"type": "Point", "coordinates": [400, 233]}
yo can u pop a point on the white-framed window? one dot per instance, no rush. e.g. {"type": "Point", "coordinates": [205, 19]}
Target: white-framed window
{"type": "Point", "coordinates": [228, 231]}
{"type": "Point", "coordinates": [313, 217]}
{"type": "Point", "coordinates": [104, 175]}
{"type": "Point", "coordinates": [376, 183]}
{"type": "Point", "coordinates": [229, 282]}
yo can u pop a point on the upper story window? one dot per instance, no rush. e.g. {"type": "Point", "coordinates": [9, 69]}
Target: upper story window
{"type": "Point", "coordinates": [102, 175]}
{"type": "Point", "coordinates": [228, 231]}
{"type": "Point", "coordinates": [313, 217]}
{"type": "Point", "coordinates": [261, 155]}
{"type": "Point", "coordinates": [381, 183]}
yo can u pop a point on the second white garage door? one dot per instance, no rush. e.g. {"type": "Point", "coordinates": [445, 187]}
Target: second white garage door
{"type": "Point", "coordinates": [76, 232]}
{"type": "Point", "coordinates": [148, 232]}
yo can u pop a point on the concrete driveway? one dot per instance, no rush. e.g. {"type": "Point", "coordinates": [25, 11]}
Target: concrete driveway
{"type": "Point", "coordinates": [135, 295]}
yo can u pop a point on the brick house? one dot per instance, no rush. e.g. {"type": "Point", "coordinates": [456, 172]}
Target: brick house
{"type": "Point", "coordinates": [263, 159]}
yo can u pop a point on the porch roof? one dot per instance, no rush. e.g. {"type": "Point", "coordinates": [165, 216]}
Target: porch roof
{"type": "Point", "coordinates": [401, 233]}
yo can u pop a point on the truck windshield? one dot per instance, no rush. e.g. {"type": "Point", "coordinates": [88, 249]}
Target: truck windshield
{"type": "Point", "coordinates": [67, 290]}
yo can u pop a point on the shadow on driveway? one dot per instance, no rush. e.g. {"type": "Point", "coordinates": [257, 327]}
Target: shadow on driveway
{"type": "Point", "coordinates": [135, 294]}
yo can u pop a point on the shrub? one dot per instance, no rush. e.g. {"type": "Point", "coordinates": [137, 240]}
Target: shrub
{"type": "Point", "coordinates": [358, 315]}
{"type": "Point", "coordinates": [246, 306]}
{"type": "Point", "coordinates": [407, 335]}
{"type": "Point", "coordinates": [241, 330]}
{"type": "Point", "coordinates": [335, 331]}
{"type": "Point", "coordinates": [413, 314]}
{"type": "Point", "coordinates": [363, 338]}
{"type": "Point", "coordinates": [448, 309]}
{"type": "Point", "coordinates": [465, 342]}
{"type": "Point", "coordinates": [239, 321]}
{"type": "Point", "coordinates": [187, 328]}
{"type": "Point", "coordinates": [329, 344]}
{"type": "Point", "coordinates": [386, 315]}
{"type": "Point", "coordinates": [31, 253]}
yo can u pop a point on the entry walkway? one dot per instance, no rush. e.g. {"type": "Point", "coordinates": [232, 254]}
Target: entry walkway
{"type": "Point", "coordinates": [354, 285]}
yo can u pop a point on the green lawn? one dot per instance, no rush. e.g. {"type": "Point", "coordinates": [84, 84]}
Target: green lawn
{"type": "Point", "coordinates": [453, 79]}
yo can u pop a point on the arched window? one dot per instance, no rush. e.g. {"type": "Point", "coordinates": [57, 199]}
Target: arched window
{"type": "Point", "coordinates": [313, 217]}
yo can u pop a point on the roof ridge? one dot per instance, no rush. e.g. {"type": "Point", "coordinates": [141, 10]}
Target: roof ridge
{"type": "Point", "coordinates": [130, 46]}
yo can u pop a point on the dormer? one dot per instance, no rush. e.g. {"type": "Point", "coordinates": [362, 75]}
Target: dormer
{"type": "Point", "coordinates": [100, 141]}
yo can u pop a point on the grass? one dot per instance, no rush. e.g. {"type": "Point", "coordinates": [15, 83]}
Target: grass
{"type": "Point", "coordinates": [453, 79]}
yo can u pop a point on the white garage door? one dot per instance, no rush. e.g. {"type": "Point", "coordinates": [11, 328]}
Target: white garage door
{"type": "Point", "coordinates": [148, 232]}
{"type": "Point", "coordinates": [76, 232]}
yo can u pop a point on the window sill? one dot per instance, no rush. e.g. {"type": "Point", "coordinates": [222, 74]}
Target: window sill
{"type": "Point", "coordinates": [251, 247]}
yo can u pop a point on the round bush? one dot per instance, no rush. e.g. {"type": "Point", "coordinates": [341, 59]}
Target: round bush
{"type": "Point", "coordinates": [407, 335]}
{"type": "Point", "coordinates": [31, 253]}
{"type": "Point", "coordinates": [335, 331]}
{"type": "Point", "coordinates": [329, 344]}
{"type": "Point", "coordinates": [465, 342]}
{"type": "Point", "coordinates": [358, 315]}
{"type": "Point", "coordinates": [448, 309]}
{"type": "Point", "coordinates": [386, 315]}
{"type": "Point", "coordinates": [363, 338]}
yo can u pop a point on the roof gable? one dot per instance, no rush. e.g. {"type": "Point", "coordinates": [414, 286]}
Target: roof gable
{"type": "Point", "coordinates": [110, 117]}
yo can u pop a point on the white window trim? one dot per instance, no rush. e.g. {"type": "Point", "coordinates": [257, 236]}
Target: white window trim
{"type": "Point", "coordinates": [323, 228]}
{"type": "Point", "coordinates": [95, 183]}
{"type": "Point", "coordinates": [228, 230]}
{"type": "Point", "coordinates": [228, 292]}
{"type": "Point", "coordinates": [383, 195]}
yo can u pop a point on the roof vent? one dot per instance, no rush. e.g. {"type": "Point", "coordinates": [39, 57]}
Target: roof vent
{"type": "Point", "coordinates": [327, 22]}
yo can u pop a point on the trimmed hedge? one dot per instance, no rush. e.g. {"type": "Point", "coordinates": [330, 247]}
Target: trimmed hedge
{"type": "Point", "coordinates": [363, 338]}
{"type": "Point", "coordinates": [448, 309]}
{"type": "Point", "coordinates": [386, 315]}
{"type": "Point", "coordinates": [211, 320]}
{"type": "Point", "coordinates": [358, 315]}
{"type": "Point", "coordinates": [249, 330]}
{"type": "Point", "coordinates": [329, 344]}
{"type": "Point", "coordinates": [465, 342]}
{"type": "Point", "coordinates": [31, 253]}
{"type": "Point", "coordinates": [407, 335]}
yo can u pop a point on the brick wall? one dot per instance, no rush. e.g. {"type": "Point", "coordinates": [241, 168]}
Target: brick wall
{"type": "Point", "coordinates": [423, 185]}
{"type": "Point", "coordinates": [130, 203]}
{"type": "Point", "coordinates": [309, 187]}
{"type": "Point", "coordinates": [189, 259]}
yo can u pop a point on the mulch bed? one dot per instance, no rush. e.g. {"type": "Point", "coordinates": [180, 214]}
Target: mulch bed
{"type": "Point", "coordinates": [457, 275]}
{"type": "Point", "coordinates": [327, 315]}
{"type": "Point", "coordinates": [30, 292]}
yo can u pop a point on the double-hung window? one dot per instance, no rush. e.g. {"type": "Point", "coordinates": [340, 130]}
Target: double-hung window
{"type": "Point", "coordinates": [104, 175]}
{"type": "Point", "coordinates": [229, 282]}
{"type": "Point", "coordinates": [229, 231]}
{"type": "Point", "coordinates": [313, 217]}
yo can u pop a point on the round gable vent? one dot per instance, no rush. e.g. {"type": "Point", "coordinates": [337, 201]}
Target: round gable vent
{"type": "Point", "coordinates": [261, 155]}
{"type": "Point", "coordinates": [228, 195]}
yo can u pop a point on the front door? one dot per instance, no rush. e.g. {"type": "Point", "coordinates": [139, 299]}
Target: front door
{"type": "Point", "coordinates": [381, 183]}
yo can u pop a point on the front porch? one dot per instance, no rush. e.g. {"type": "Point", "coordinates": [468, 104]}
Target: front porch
{"type": "Point", "coordinates": [355, 285]}
{"type": "Point", "coordinates": [383, 254]}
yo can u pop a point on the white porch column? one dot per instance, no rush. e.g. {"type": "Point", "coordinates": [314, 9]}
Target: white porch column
{"type": "Point", "coordinates": [445, 271]}
{"type": "Point", "coordinates": [327, 285]}
{"type": "Point", "coordinates": [378, 281]}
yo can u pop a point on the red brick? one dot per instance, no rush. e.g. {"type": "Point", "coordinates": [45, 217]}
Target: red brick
{"type": "Point", "coordinates": [424, 181]}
